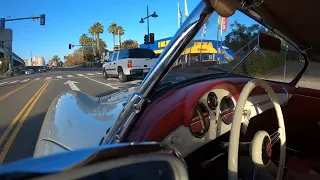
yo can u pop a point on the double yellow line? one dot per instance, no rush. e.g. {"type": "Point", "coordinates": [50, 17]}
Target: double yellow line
{"type": "Point", "coordinates": [15, 90]}
{"type": "Point", "coordinates": [22, 115]}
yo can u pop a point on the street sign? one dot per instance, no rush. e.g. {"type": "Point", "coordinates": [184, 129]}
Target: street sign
{"type": "Point", "coordinates": [2, 23]}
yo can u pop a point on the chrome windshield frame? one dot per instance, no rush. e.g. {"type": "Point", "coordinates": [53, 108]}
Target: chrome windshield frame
{"type": "Point", "coordinates": [164, 63]}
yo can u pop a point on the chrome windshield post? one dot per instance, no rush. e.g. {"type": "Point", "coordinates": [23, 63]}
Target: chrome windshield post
{"type": "Point", "coordinates": [173, 50]}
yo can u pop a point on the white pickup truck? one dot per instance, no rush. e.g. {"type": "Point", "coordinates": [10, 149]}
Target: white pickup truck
{"type": "Point", "coordinates": [129, 62]}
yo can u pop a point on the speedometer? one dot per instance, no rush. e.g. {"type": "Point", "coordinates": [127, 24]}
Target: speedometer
{"type": "Point", "coordinates": [226, 110]}
{"type": "Point", "coordinates": [212, 100]}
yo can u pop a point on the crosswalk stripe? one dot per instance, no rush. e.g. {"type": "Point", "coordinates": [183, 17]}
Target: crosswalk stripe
{"type": "Point", "coordinates": [14, 82]}
{"type": "Point", "coordinates": [25, 80]}
{"type": "Point", "coordinates": [69, 75]}
{"type": "Point", "coordinates": [79, 74]}
{"type": "Point", "coordinates": [3, 83]}
{"type": "Point", "coordinates": [47, 78]}
{"type": "Point", "coordinates": [90, 74]}
{"type": "Point", "coordinates": [99, 73]}
{"type": "Point", "coordinates": [37, 79]}
{"type": "Point", "coordinates": [60, 77]}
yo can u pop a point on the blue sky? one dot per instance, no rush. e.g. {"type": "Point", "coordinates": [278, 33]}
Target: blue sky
{"type": "Point", "coordinates": [66, 20]}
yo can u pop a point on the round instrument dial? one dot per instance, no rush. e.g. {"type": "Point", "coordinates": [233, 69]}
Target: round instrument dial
{"type": "Point", "coordinates": [212, 100]}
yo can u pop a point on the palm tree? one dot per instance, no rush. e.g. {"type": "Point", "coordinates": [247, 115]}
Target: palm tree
{"type": "Point", "coordinates": [112, 29]}
{"type": "Point", "coordinates": [120, 32]}
{"type": "Point", "coordinates": [92, 32]}
{"type": "Point", "coordinates": [55, 59]}
{"type": "Point", "coordinates": [98, 29]}
{"type": "Point", "coordinates": [83, 40]}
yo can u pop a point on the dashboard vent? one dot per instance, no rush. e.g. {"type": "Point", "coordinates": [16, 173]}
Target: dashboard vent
{"type": "Point", "coordinates": [200, 122]}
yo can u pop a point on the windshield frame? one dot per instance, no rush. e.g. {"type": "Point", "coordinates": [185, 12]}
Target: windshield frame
{"type": "Point", "coordinates": [179, 41]}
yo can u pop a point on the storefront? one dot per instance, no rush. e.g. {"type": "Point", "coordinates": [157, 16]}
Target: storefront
{"type": "Point", "coordinates": [207, 50]}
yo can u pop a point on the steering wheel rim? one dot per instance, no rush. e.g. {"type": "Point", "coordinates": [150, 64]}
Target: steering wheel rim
{"type": "Point", "coordinates": [236, 126]}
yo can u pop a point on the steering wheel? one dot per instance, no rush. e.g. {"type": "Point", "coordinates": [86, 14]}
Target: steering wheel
{"type": "Point", "coordinates": [261, 145]}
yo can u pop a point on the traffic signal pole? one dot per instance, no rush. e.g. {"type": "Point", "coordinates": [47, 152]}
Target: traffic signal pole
{"type": "Point", "coordinates": [41, 17]}
{"type": "Point", "coordinates": [148, 27]}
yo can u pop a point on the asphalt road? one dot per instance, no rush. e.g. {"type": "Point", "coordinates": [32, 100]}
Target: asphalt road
{"type": "Point", "coordinates": [25, 99]}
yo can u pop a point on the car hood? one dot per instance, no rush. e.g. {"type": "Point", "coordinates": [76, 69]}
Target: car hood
{"type": "Point", "coordinates": [76, 120]}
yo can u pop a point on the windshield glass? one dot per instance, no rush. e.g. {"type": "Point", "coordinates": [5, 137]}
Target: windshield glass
{"type": "Point", "coordinates": [141, 53]}
{"type": "Point", "coordinates": [230, 46]}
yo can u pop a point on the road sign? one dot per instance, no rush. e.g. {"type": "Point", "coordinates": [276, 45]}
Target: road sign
{"type": "Point", "coordinates": [2, 23]}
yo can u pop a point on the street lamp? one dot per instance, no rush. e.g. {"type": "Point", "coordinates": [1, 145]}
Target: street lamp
{"type": "Point", "coordinates": [154, 15]}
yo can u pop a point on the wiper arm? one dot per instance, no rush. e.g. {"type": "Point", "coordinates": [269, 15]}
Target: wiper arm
{"type": "Point", "coordinates": [216, 68]}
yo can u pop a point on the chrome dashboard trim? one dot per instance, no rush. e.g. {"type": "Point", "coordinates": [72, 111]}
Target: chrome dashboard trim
{"type": "Point", "coordinates": [179, 41]}
{"type": "Point", "coordinates": [287, 95]}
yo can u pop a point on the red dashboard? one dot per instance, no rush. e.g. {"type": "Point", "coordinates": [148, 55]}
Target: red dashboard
{"type": "Point", "coordinates": [176, 108]}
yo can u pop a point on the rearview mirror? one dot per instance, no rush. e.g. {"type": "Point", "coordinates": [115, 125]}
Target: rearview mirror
{"type": "Point", "coordinates": [269, 42]}
{"type": "Point", "coordinates": [225, 8]}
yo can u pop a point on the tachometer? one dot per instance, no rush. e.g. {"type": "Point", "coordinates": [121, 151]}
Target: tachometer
{"type": "Point", "coordinates": [200, 122]}
{"type": "Point", "coordinates": [212, 100]}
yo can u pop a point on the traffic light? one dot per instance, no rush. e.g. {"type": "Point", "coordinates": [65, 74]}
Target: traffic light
{"type": "Point", "coordinates": [2, 23]}
{"type": "Point", "coordinates": [70, 46]}
{"type": "Point", "coordinates": [151, 38]}
{"type": "Point", "coordinates": [42, 19]}
{"type": "Point", "coordinates": [146, 39]}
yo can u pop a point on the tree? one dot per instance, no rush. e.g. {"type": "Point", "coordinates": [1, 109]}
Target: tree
{"type": "Point", "coordinates": [83, 40]}
{"type": "Point", "coordinates": [102, 46]}
{"type": "Point", "coordinates": [98, 29]}
{"type": "Point", "coordinates": [120, 32]}
{"type": "Point", "coordinates": [128, 44]}
{"type": "Point", "coordinates": [112, 29]}
{"type": "Point", "coordinates": [54, 60]}
{"type": "Point", "coordinates": [92, 32]}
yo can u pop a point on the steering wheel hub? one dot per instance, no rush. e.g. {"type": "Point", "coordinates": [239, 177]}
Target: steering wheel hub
{"type": "Point", "coordinates": [261, 149]}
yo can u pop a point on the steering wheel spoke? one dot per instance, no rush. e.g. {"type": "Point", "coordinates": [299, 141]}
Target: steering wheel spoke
{"type": "Point", "coordinates": [275, 137]}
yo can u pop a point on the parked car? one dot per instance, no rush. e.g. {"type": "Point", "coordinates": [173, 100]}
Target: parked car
{"type": "Point", "coordinates": [213, 118]}
{"type": "Point", "coordinates": [42, 69]}
{"type": "Point", "coordinates": [129, 62]}
{"type": "Point", "coordinates": [29, 71]}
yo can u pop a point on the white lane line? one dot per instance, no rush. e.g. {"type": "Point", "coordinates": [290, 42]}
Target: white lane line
{"type": "Point", "coordinates": [103, 83]}
{"type": "Point", "coordinates": [99, 73]}
{"type": "Point", "coordinates": [69, 75]}
{"type": "Point", "coordinates": [25, 80]}
{"type": "Point", "coordinates": [47, 78]}
{"type": "Point", "coordinates": [79, 74]}
{"type": "Point", "coordinates": [59, 77]}
{"type": "Point", "coordinates": [113, 79]}
{"type": "Point", "coordinates": [3, 83]}
{"type": "Point", "coordinates": [90, 74]}
{"type": "Point", "coordinates": [37, 79]}
{"type": "Point", "coordinates": [14, 82]}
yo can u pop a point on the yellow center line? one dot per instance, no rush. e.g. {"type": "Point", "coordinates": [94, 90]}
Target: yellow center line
{"type": "Point", "coordinates": [31, 102]}
{"type": "Point", "coordinates": [15, 90]}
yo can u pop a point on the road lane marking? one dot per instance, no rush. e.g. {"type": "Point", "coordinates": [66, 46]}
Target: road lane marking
{"type": "Point", "coordinates": [72, 85]}
{"type": "Point", "coordinates": [60, 77]}
{"type": "Point", "coordinates": [47, 78]}
{"type": "Point", "coordinates": [103, 83]}
{"type": "Point", "coordinates": [27, 109]}
{"type": "Point", "coordinates": [99, 73]}
{"type": "Point", "coordinates": [90, 74]}
{"type": "Point", "coordinates": [37, 79]}
{"type": "Point", "coordinates": [3, 83]}
{"type": "Point", "coordinates": [25, 80]}
{"type": "Point", "coordinates": [80, 75]}
{"type": "Point", "coordinates": [14, 90]}
{"type": "Point", "coordinates": [14, 82]}
{"type": "Point", "coordinates": [69, 75]}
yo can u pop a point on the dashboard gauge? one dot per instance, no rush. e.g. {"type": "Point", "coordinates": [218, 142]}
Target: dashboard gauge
{"type": "Point", "coordinates": [212, 100]}
{"type": "Point", "coordinates": [226, 110]}
{"type": "Point", "coordinates": [200, 122]}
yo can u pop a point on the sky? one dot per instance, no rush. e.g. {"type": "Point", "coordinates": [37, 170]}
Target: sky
{"type": "Point", "coordinates": [66, 20]}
